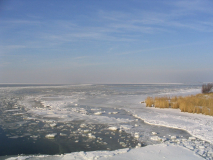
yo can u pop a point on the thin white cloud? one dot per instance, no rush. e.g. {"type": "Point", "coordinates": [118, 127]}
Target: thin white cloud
{"type": "Point", "coordinates": [4, 49]}
{"type": "Point", "coordinates": [81, 57]}
{"type": "Point", "coordinates": [4, 64]}
{"type": "Point", "coordinates": [187, 6]}
{"type": "Point", "coordinates": [12, 46]}
{"type": "Point", "coordinates": [160, 48]}
{"type": "Point", "coordinates": [20, 22]}
{"type": "Point", "coordinates": [182, 14]}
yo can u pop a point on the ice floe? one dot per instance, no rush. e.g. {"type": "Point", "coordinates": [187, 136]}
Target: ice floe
{"type": "Point", "coordinates": [52, 135]}
{"type": "Point", "coordinates": [113, 128]}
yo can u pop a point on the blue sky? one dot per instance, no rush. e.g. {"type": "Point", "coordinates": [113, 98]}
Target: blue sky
{"type": "Point", "coordinates": [113, 41]}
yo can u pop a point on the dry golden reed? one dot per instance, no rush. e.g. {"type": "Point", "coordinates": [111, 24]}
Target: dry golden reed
{"type": "Point", "coordinates": [149, 102]}
{"type": "Point", "coordinates": [200, 103]}
{"type": "Point", "coordinates": [161, 102]}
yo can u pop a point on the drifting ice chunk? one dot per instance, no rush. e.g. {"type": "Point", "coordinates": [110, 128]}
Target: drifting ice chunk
{"type": "Point", "coordinates": [126, 126]}
{"type": "Point", "coordinates": [156, 138]}
{"type": "Point", "coordinates": [114, 112]}
{"type": "Point", "coordinates": [34, 137]}
{"type": "Point", "coordinates": [154, 133]}
{"type": "Point", "coordinates": [163, 139]}
{"type": "Point", "coordinates": [91, 136]}
{"type": "Point", "coordinates": [104, 143]}
{"type": "Point", "coordinates": [189, 147]}
{"type": "Point", "coordinates": [201, 147]}
{"type": "Point", "coordinates": [137, 135]}
{"type": "Point", "coordinates": [94, 109]}
{"type": "Point", "coordinates": [192, 138]}
{"type": "Point", "coordinates": [100, 138]}
{"type": "Point", "coordinates": [138, 146]}
{"type": "Point", "coordinates": [53, 135]}
{"type": "Point", "coordinates": [200, 152]}
{"type": "Point", "coordinates": [62, 134]}
{"type": "Point", "coordinates": [14, 137]}
{"type": "Point", "coordinates": [184, 139]}
{"type": "Point", "coordinates": [177, 140]}
{"type": "Point", "coordinates": [86, 131]}
{"type": "Point", "coordinates": [98, 113]}
{"type": "Point", "coordinates": [83, 125]}
{"type": "Point", "coordinates": [173, 137]}
{"type": "Point", "coordinates": [122, 144]}
{"type": "Point", "coordinates": [113, 128]}
{"type": "Point", "coordinates": [53, 125]}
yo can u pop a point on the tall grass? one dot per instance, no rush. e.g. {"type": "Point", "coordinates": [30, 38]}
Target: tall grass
{"type": "Point", "coordinates": [200, 103]}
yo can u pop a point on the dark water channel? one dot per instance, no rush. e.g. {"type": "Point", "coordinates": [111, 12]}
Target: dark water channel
{"type": "Point", "coordinates": [66, 140]}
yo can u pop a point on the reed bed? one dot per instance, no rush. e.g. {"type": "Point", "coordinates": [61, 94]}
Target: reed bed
{"type": "Point", "coordinates": [200, 103]}
{"type": "Point", "coordinates": [149, 102]}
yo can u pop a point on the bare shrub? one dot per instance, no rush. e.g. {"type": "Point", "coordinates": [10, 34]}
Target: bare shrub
{"type": "Point", "coordinates": [206, 88]}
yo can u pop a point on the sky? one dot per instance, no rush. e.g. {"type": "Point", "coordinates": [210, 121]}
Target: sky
{"type": "Point", "coordinates": [106, 41]}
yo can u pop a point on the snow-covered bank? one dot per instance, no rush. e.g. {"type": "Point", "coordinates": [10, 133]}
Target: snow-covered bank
{"type": "Point", "coordinates": [200, 126]}
{"type": "Point", "coordinates": [157, 152]}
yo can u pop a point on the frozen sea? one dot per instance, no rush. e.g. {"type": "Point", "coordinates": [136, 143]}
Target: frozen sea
{"type": "Point", "coordinates": [61, 119]}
